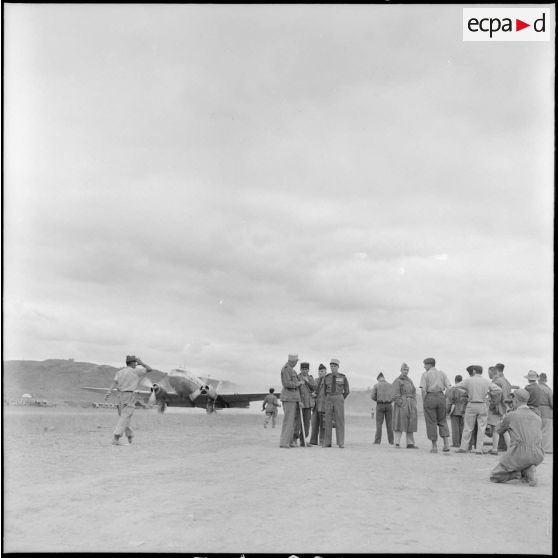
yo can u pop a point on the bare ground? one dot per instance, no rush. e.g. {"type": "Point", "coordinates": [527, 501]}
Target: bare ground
{"type": "Point", "coordinates": [195, 483]}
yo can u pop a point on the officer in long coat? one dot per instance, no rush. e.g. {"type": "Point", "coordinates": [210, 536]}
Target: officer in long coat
{"type": "Point", "coordinates": [336, 390]}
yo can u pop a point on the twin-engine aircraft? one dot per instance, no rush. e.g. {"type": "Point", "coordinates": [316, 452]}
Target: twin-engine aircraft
{"type": "Point", "coordinates": [180, 388]}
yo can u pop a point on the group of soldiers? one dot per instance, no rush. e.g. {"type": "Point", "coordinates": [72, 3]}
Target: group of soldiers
{"type": "Point", "coordinates": [519, 421]}
{"type": "Point", "coordinates": [311, 407]}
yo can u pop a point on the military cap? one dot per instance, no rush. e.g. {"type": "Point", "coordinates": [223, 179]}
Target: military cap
{"type": "Point", "coordinates": [521, 394]}
{"type": "Point", "coordinates": [322, 367]}
{"type": "Point", "coordinates": [334, 361]}
{"type": "Point", "coordinates": [380, 375]}
{"type": "Point", "coordinates": [304, 365]}
{"type": "Point", "coordinates": [532, 375]}
{"type": "Point", "coordinates": [429, 360]}
{"type": "Point", "coordinates": [293, 357]}
{"type": "Point", "coordinates": [131, 358]}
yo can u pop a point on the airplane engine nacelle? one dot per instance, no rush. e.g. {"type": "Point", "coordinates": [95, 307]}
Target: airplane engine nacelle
{"type": "Point", "coordinates": [203, 390]}
{"type": "Point", "coordinates": [211, 392]}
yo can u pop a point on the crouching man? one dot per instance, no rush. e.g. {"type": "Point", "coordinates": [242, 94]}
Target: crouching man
{"type": "Point", "coordinates": [525, 451]}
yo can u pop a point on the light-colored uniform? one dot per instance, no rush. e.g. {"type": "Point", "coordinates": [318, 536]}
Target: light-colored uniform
{"type": "Point", "coordinates": [271, 406]}
{"type": "Point", "coordinates": [524, 426]}
{"type": "Point", "coordinates": [477, 409]}
{"type": "Point", "coordinates": [126, 381]}
{"type": "Point", "coordinates": [290, 398]}
{"type": "Point", "coordinates": [434, 382]}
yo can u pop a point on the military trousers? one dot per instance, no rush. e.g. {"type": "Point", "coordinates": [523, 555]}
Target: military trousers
{"type": "Point", "coordinates": [126, 406]}
{"type": "Point", "coordinates": [271, 416]}
{"type": "Point", "coordinates": [435, 415]}
{"type": "Point", "coordinates": [456, 430]}
{"type": "Point", "coordinates": [334, 407]}
{"type": "Point", "coordinates": [291, 420]}
{"type": "Point", "coordinates": [383, 410]}
{"type": "Point", "coordinates": [518, 458]}
{"type": "Point", "coordinates": [318, 427]}
{"type": "Point", "coordinates": [547, 433]}
{"type": "Point", "coordinates": [298, 433]}
{"type": "Point", "coordinates": [474, 413]}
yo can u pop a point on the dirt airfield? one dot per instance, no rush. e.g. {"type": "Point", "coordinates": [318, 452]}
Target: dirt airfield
{"type": "Point", "coordinates": [197, 483]}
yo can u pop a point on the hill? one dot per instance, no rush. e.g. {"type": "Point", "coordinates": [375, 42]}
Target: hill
{"type": "Point", "coordinates": [59, 380]}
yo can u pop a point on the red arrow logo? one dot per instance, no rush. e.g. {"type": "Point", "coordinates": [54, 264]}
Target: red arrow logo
{"type": "Point", "coordinates": [519, 25]}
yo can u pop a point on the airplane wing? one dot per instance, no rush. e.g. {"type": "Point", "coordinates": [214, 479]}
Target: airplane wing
{"type": "Point", "coordinates": [104, 390]}
{"type": "Point", "coordinates": [223, 400]}
{"type": "Point", "coordinates": [238, 400]}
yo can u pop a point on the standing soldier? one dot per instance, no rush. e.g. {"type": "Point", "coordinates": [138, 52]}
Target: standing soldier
{"type": "Point", "coordinates": [405, 415]}
{"type": "Point", "coordinates": [336, 390]}
{"type": "Point", "coordinates": [307, 386]}
{"type": "Point", "coordinates": [535, 392]}
{"type": "Point", "coordinates": [290, 397]}
{"type": "Point", "coordinates": [318, 412]}
{"type": "Point", "coordinates": [478, 389]}
{"type": "Point", "coordinates": [382, 393]}
{"type": "Point", "coordinates": [506, 386]}
{"type": "Point", "coordinates": [546, 409]}
{"type": "Point", "coordinates": [126, 382]}
{"type": "Point", "coordinates": [497, 409]}
{"type": "Point", "coordinates": [270, 406]}
{"type": "Point", "coordinates": [456, 403]}
{"type": "Point", "coordinates": [433, 385]}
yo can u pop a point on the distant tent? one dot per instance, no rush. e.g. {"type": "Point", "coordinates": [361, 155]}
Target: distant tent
{"type": "Point", "coordinates": [27, 396]}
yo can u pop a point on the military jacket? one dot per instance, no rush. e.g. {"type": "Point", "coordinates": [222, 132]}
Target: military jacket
{"type": "Point", "coordinates": [336, 384]}
{"type": "Point", "coordinates": [289, 380]}
{"type": "Point", "coordinates": [382, 392]}
{"type": "Point", "coordinates": [306, 390]}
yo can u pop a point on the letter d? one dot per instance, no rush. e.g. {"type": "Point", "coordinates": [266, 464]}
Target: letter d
{"type": "Point", "coordinates": [543, 20]}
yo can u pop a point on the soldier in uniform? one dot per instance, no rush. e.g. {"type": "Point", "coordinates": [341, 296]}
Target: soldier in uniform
{"type": "Point", "coordinates": [270, 406]}
{"type": "Point", "coordinates": [535, 392]}
{"type": "Point", "coordinates": [433, 384]}
{"type": "Point", "coordinates": [318, 412]}
{"type": "Point", "coordinates": [126, 382]}
{"type": "Point", "coordinates": [497, 409]}
{"type": "Point", "coordinates": [336, 390]}
{"type": "Point", "coordinates": [290, 397]}
{"type": "Point", "coordinates": [525, 450]}
{"type": "Point", "coordinates": [382, 393]}
{"type": "Point", "coordinates": [456, 402]}
{"type": "Point", "coordinates": [306, 402]}
{"type": "Point", "coordinates": [546, 409]}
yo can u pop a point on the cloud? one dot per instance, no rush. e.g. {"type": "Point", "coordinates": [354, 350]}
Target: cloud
{"type": "Point", "coordinates": [347, 180]}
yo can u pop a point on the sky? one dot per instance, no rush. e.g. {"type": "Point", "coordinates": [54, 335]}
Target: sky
{"type": "Point", "coordinates": [217, 186]}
